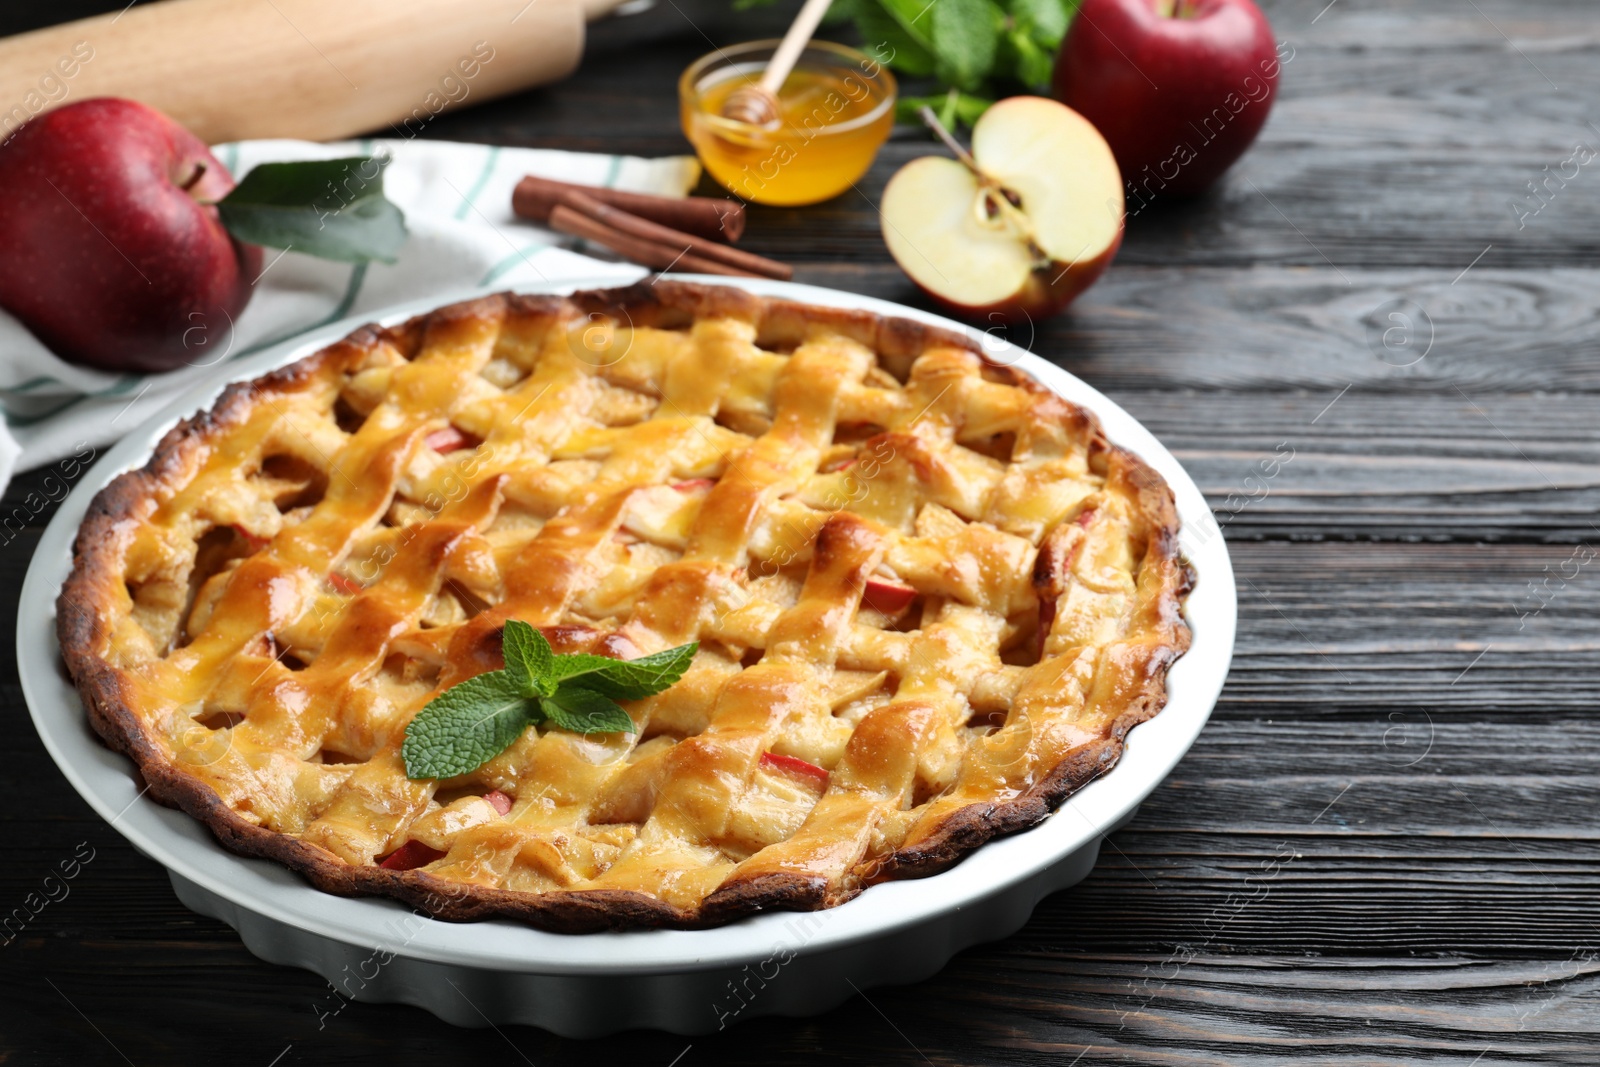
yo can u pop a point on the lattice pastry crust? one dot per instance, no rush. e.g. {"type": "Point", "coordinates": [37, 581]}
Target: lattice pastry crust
{"type": "Point", "coordinates": [931, 600]}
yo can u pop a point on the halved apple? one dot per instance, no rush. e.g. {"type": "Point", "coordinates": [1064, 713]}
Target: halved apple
{"type": "Point", "coordinates": [1019, 227]}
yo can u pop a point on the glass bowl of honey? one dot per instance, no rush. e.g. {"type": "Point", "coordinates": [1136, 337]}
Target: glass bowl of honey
{"type": "Point", "coordinates": [835, 110]}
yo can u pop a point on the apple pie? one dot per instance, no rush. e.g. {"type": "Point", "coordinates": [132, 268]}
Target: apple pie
{"type": "Point", "coordinates": [930, 600]}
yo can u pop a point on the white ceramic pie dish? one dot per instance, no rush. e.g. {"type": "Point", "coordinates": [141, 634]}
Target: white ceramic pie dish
{"type": "Point", "coordinates": [683, 981]}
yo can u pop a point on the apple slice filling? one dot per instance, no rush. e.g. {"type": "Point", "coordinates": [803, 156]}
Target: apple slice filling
{"type": "Point", "coordinates": [410, 856]}
{"type": "Point", "coordinates": [794, 767]}
{"type": "Point", "coordinates": [888, 596]}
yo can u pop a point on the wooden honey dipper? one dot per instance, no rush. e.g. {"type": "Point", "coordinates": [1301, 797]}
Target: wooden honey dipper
{"type": "Point", "coordinates": [756, 103]}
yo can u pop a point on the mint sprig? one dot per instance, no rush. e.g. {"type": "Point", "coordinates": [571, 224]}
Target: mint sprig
{"type": "Point", "coordinates": [471, 723]}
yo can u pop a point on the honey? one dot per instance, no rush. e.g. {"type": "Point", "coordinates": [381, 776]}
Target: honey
{"type": "Point", "coordinates": [835, 111]}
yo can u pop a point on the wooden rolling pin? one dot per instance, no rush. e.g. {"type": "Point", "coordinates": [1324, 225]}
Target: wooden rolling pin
{"type": "Point", "coordinates": [315, 69]}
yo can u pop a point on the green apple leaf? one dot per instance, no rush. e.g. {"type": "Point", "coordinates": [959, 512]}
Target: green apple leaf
{"type": "Point", "coordinates": [331, 208]}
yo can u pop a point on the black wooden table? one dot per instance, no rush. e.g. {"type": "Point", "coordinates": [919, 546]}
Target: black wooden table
{"type": "Point", "coordinates": [1383, 849]}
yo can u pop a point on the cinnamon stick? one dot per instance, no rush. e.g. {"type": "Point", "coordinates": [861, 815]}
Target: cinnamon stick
{"type": "Point", "coordinates": [646, 253]}
{"type": "Point", "coordinates": [643, 228]}
{"type": "Point", "coordinates": [706, 216]}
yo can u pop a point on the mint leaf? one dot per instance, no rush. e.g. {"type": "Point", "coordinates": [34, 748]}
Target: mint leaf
{"type": "Point", "coordinates": [911, 15]}
{"type": "Point", "coordinates": [1030, 44]}
{"type": "Point", "coordinates": [584, 711]}
{"type": "Point", "coordinates": [952, 107]}
{"type": "Point", "coordinates": [332, 208]}
{"type": "Point", "coordinates": [1045, 21]}
{"type": "Point", "coordinates": [465, 727]}
{"type": "Point", "coordinates": [897, 47]}
{"type": "Point", "coordinates": [470, 724]}
{"type": "Point", "coordinates": [631, 679]}
{"type": "Point", "coordinates": [528, 657]}
{"type": "Point", "coordinates": [1033, 64]}
{"type": "Point", "coordinates": [840, 11]}
{"type": "Point", "coordinates": [966, 38]}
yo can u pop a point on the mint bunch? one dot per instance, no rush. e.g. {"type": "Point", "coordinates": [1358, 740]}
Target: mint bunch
{"type": "Point", "coordinates": [469, 724]}
{"type": "Point", "coordinates": [973, 50]}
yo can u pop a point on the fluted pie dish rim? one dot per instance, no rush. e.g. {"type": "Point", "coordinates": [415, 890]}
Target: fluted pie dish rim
{"type": "Point", "coordinates": [1210, 613]}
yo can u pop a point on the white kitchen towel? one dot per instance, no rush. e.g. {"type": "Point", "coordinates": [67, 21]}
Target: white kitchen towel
{"type": "Point", "coordinates": [457, 202]}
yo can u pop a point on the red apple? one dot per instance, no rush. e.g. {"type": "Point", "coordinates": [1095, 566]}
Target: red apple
{"type": "Point", "coordinates": [1021, 227]}
{"type": "Point", "coordinates": [113, 255]}
{"type": "Point", "coordinates": [1180, 88]}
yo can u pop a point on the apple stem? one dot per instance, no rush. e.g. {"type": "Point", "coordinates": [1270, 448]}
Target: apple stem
{"type": "Point", "coordinates": [994, 200]}
{"type": "Point", "coordinates": [194, 179]}
{"type": "Point", "coordinates": [939, 131]}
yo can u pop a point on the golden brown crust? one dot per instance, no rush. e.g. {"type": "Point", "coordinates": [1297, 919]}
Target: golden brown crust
{"type": "Point", "coordinates": [93, 604]}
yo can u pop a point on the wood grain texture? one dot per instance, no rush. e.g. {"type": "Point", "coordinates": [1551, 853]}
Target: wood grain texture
{"type": "Point", "coordinates": [1384, 847]}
